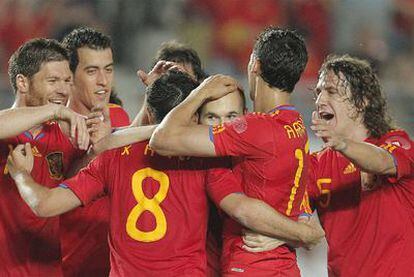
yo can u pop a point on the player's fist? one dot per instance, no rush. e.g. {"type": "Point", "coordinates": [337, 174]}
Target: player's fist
{"type": "Point", "coordinates": [98, 123]}
{"type": "Point", "coordinates": [78, 131]}
{"type": "Point", "coordinates": [217, 86]}
{"type": "Point", "coordinates": [20, 160]}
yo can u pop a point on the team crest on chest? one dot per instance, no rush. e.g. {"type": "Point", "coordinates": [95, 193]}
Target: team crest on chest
{"type": "Point", "coordinates": [55, 164]}
{"type": "Point", "coordinates": [240, 125]}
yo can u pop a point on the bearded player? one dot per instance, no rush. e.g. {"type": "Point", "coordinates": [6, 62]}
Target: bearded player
{"type": "Point", "coordinates": [41, 79]}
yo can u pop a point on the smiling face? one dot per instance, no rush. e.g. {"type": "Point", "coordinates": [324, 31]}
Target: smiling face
{"type": "Point", "coordinates": [51, 84]}
{"type": "Point", "coordinates": [222, 110]}
{"type": "Point", "coordinates": [333, 104]}
{"type": "Point", "coordinates": [93, 76]}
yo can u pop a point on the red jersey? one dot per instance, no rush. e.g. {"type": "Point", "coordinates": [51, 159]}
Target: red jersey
{"type": "Point", "coordinates": [158, 210]}
{"type": "Point", "coordinates": [369, 229]}
{"type": "Point", "coordinates": [119, 117]}
{"type": "Point", "coordinates": [30, 245]}
{"type": "Point", "coordinates": [84, 238]}
{"type": "Point", "coordinates": [272, 164]}
{"type": "Point", "coordinates": [219, 173]}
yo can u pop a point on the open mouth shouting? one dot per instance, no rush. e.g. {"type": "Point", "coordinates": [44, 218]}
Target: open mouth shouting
{"type": "Point", "coordinates": [328, 116]}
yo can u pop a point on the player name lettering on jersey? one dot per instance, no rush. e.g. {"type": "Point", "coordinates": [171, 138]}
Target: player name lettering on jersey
{"type": "Point", "coordinates": [295, 130]}
{"type": "Point", "coordinates": [148, 150]}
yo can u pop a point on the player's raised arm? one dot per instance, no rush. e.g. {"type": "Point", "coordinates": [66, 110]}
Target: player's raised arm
{"type": "Point", "coordinates": [124, 137]}
{"type": "Point", "coordinates": [368, 157]}
{"type": "Point", "coordinates": [177, 134]}
{"type": "Point", "coordinates": [43, 201]}
{"type": "Point", "coordinates": [17, 120]}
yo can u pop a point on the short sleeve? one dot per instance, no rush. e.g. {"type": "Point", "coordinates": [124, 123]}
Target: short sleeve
{"type": "Point", "coordinates": [249, 135]}
{"type": "Point", "coordinates": [89, 183]}
{"type": "Point", "coordinates": [402, 151]}
{"type": "Point", "coordinates": [220, 183]}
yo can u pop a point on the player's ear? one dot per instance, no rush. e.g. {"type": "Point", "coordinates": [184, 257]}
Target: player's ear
{"type": "Point", "coordinates": [22, 83]}
{"type": "Point", "coordinates": [256, 68]}
{"type": "Point", "coordinates": [194, 118]}
{"type": "Point", "coordinates": [150, 115]}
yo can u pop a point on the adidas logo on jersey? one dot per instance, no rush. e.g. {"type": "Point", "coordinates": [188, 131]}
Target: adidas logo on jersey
{"type": "Point", "coordinates": [350, 168]}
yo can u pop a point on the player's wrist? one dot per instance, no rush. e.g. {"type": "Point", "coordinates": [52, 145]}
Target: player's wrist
{"type": "Point", "coordinates": [57, 112]}
{"type": "Point", "coordinates": [342, 145]}
{"type": "Point", "coordinates": [20, 176]}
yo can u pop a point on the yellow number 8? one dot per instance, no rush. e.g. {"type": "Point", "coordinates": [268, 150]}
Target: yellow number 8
{"type": "Point", "coordinates": [146, 204]}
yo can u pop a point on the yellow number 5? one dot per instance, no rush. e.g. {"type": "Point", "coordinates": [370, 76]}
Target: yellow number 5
{"type": "Point", "coordinates": [151, 205]}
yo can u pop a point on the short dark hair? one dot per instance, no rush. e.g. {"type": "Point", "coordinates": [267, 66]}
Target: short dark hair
{"type": "Point", "coordinates": [81, 37]}
{"type": "Point", "coordinates": [366, 92]}
{"type": "Point", "coordinates": [30, 56]}
{"type": "Point", "coordinates": [283, 57]}
{"type": "Point", "coordinates": [180, 53]}
{"type": "Point", "coordinates": [168, 91]}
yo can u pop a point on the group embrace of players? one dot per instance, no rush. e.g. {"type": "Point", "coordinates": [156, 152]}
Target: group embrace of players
{"type": "Point", "coordinates": [196, 185]}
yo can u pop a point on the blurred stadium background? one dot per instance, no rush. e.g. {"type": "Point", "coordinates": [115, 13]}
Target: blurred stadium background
{"type": "Point", "coordinates": [223, 32]}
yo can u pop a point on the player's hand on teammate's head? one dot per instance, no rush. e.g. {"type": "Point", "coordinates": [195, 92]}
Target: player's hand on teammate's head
{"type": "Point", "coordinates": [20, 160]}
{"type": "Point", "coordinates": [217, 86]}
{"type": "Point", "coordinates": [254, 242]}
{"type": "Point", "coordinates": [98, 123]}
{"type": "Point", "coordinates": [159, 68]}
{"type": "Point", "coordinates": [327, 133]}
{"type": "Point", "coordinates": [77, 124]}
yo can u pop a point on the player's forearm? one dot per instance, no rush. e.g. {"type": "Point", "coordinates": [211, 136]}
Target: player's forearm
{"type": "Point", "coordinates": [124, 137]}
{"type": "Point", "coordinates": [43, 201]}
{"type": "Point", "coordinates": [262, 218]}
{"type": "Point", "coordinates": [17, 120]}
{"type": "Point", "coordinates": [141, 118]}
{"type": "Point", "coordinates": [369, 158]}
{"type": "Point", "coordinates": [31, 192]}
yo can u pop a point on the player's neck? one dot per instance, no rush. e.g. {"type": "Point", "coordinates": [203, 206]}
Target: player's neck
{"type": "Point", "coordinates": [78, 106]}
{"type": "Point", "coordinates": [19, 101]}
{"type": "Point", "coordinates": [358, 132]}
{"type": "Point", "coordinates": [268, 98]}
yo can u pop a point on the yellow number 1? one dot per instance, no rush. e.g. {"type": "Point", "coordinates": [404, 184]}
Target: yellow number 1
{"type": "Point", "coordinates": [146, 204]}
{"type": "Point", "coordinates": [299, 155]}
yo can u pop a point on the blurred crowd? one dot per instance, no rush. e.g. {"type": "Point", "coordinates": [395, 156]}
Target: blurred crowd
{"type": "Point", "coordinates": [222, 31]}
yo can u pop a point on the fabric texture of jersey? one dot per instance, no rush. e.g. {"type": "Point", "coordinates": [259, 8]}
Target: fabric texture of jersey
{"type": "Point", "coordinates": [29, 244]}
{"type": "Point", "coordinates": [272, 164]}
{"type": "Point", "coordinates": [119, 117]}
{"type": "Point", "coordinates": [369, 226]}
{"type": "Point", "coordinates": [84, 231]}
{"type": "Point", "coordinates": [158, 210]}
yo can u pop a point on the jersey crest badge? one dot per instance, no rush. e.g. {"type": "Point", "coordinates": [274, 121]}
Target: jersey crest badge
{"type": "Point", "coordinates": [55, 164]}
{"type": "Point", "coordinates": [239, 125]}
